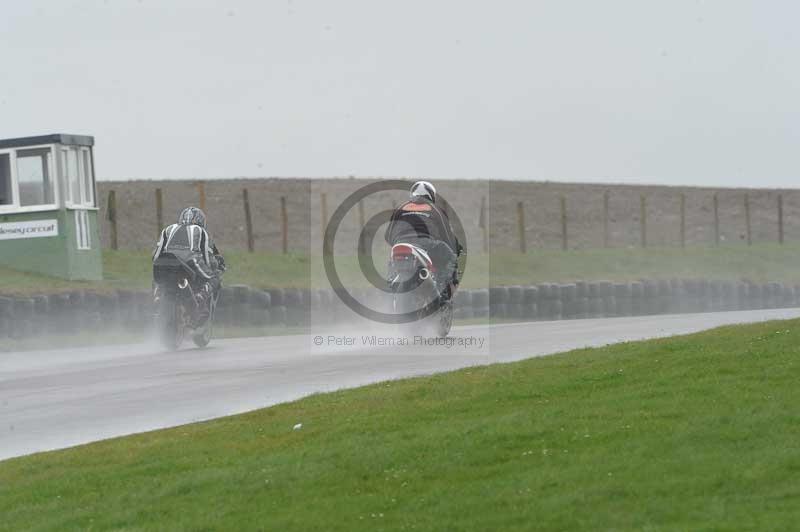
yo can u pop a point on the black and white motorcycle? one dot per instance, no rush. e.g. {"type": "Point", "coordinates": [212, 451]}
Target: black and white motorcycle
{"type": "Point", "coordinates": [183, 300]}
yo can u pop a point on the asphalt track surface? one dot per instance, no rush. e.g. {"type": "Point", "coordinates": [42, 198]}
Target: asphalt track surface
{"type": "Point", "coordinates": [61, 398]}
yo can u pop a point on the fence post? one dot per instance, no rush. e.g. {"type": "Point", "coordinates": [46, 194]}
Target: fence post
{"type": "Point", "coordinates": [747, 218]}
{"type": "Point", "coordinates": [248, 221]}
{"type": "Point", "coordinates": [716, 220]}
{"type": "Point", "coordinates": [362, 244]}
{"type": "Point", "coordinates": [683, 220]}
{"type": "Point", "coordinates": [521, 226]}
{"type": "Point", "coordinates": [323, 205]}
{"type": "Point", "coordinates": [483, 225]}
{"type": "Point", "coordinates": [159, 209]}
{"type": "Point", "coordinates": [780, 218]}
{"type": "Point", "coordinates": [112, 217]}
{"type": "Point", "coordinates": [643, 218]}
{"type": "Point", "coordinates": [564, 242]}
{"type": "Point", "coordinates": [606, 235]}
{"type": "Point", "coordinates": [201, 192]}
{"type": "Point", "coordinates": [284, 226]}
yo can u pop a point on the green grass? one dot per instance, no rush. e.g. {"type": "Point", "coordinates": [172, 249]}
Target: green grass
{"type": "Point", "coordinates": [700, 432]}
{"type": "Point", "coordinates": [760, 262]}
{"type": "Point", "coordinates": [134, 270]}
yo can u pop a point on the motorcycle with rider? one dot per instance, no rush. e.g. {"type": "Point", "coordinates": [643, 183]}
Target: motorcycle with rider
{"type": "Point", "coordinates": [187, 272]}
{"type": "Point", "coordinates": [423, 266]}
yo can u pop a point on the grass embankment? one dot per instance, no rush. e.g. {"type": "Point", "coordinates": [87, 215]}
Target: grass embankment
{"type": "Point", "coordinates": [691, 433]}
{"type": "Point", "coordinates": [134, 270]}
{"type": "Point", "coordinates": [761, 262]}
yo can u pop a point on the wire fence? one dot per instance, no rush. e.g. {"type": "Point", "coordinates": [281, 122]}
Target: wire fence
{"type": "Point", "coordinates": [289, 216]}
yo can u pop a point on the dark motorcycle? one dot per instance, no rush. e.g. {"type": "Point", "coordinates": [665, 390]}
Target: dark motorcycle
{"type": "Point", "coordinates": [414, 286]}
{"type": "Point", "coordinates": [180, 295]}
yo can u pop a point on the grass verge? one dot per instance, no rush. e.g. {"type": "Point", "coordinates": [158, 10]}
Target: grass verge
{"type": "Point", "coordinates": [134, 270]}
{"type": "Point", "coordinates": [760, 262]}
{"type": "Point", "coordinates": [689, 433]}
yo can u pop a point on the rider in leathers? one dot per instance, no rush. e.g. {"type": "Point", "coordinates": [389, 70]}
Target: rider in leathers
{"type": "Point", "coordinates": [190, 234]}
{"type": "Point", "coordinates": [422, 223]}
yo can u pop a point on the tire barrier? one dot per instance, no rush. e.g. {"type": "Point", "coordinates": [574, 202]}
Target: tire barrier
{"type": "Point", "coordinates": [80, 311]}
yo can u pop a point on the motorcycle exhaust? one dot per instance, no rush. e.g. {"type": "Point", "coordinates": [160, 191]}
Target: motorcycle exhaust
{"type": "Point", "coordinates": [183, 285]}
{"type": "Point", "coordinates": [424, 273]}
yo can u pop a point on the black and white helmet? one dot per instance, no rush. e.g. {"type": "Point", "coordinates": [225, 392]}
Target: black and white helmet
{"type": "Point", "coordinates": [423, 189]}
{"type": "Point", "coordinates": [192, 216]}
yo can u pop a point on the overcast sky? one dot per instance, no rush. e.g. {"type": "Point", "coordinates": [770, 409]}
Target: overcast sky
{"type": "Point", "coordinates": [677, 92]}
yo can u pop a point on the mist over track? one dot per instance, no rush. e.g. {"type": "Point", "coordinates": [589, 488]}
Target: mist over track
{"type": "Point", "coordinates": [60, 398]}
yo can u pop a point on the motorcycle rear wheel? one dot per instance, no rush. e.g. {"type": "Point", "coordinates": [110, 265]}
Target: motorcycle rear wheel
{"type": "Point", "coordinates": [170, 324]}
{"type": "Point", "coordinates": [445, 319]}
{"type": "Point", "coordinates": [203, 337]}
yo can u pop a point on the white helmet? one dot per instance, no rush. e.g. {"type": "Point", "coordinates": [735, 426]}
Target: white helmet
{"type": "Point", "coordinates": [423, 189]}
